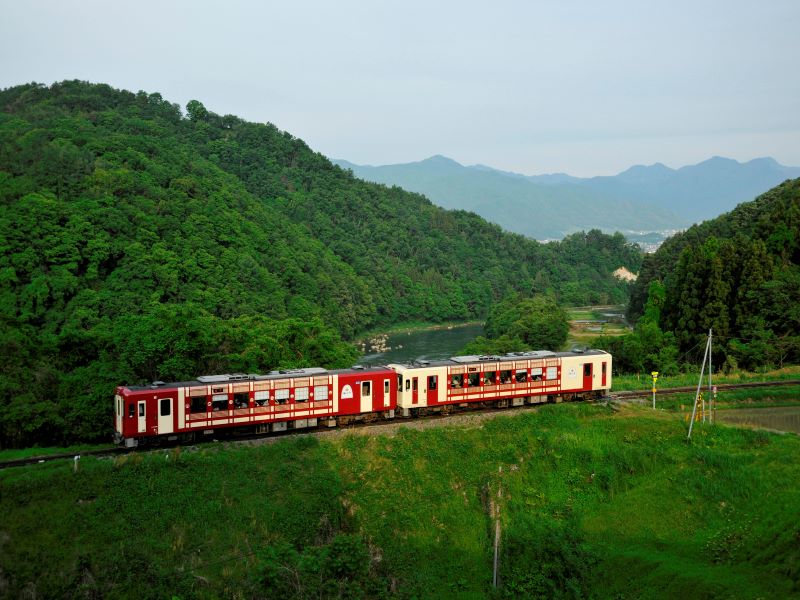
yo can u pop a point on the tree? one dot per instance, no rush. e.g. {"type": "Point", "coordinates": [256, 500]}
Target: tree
{"type": "Point", "coordinates": [196, 111]}
{"type": "Point", "coordinates": [519, 323]}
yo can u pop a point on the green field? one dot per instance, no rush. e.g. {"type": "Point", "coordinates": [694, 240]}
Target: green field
{"type": "Point", "coordinates": [593, 502]}
{"type": "Point", "coordinates": [583, 334]}
{"type": "Point", "coordinates": [645, 382]}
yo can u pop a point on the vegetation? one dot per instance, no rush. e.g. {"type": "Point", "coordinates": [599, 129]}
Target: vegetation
{"type": "Point", "coordinates": [142, 244]}
{"type": "Point", "coordinates": [593, 503]}
{"type": "Point", "coordinates": [738, 274]}
{"type": "Point", "coordinates": [518, 323]}
{"type": "Point", "coordinates": [689, 377]}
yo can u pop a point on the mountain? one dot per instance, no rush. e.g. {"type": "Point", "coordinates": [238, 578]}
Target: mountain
{"type": "Point", "coordinates": [547, 208]}
{"type": "Point", "coordinates": [642, 198]}
{"type": "Point", "coordinates": [142, 243]}
{"type": "Point", "coordinates": [696, 192]}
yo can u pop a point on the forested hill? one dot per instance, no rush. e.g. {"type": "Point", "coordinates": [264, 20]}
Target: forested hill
{"type": "Point", "coordinates": [738, 274]}
{"type": "Point", "coordinates": [141, 244]}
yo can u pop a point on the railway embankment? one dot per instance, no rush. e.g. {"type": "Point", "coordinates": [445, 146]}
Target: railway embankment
{"type": "Point", "coordinates": [595, 500]}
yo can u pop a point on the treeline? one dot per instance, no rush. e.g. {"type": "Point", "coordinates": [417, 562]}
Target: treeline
{"type": "Point", "coordinates": [738, 274]}
{"type": "Point", "coordinates": [141, 244]}
{"type": "Point", "coordinates": [519, 323]}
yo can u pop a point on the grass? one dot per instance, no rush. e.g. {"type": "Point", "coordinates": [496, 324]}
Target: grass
{"type": "Point", "coordinates": [593, 502]}
{"type": "Point", "coordinates": [18, 453]}
{"type": "Point", "coordinates": [644, 381]}
{"type": "Point", "coordinates": [740, 398]}
{"type": "Point", "coordinates": [580, 335]}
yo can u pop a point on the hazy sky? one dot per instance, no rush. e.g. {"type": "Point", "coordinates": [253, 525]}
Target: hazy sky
{"type": "Point", "coordinates": [586, 88]}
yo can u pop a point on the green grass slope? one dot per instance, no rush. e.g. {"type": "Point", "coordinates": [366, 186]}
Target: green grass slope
{"type": "Point", "coordinates": [592, 503]}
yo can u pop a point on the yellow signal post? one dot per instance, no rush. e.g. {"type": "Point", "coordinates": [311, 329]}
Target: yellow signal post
{"type": "Point", "coordinates": [655, 378]}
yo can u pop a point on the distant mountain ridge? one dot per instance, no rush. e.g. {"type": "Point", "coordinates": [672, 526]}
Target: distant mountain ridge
{"type": "Point", "coordinates": [641, 198]}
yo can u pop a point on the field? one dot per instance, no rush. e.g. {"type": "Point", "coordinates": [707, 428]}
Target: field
{"type": "Point", "coordinates": [645, 382]}
{"type": "Point", "coordinates": [589, 322]}
{"type": "Point", "coordinates": [592, 500]}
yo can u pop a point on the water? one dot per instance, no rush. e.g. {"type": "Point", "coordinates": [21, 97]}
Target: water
{"type": "Point", "coordinates": [781, 418]}
{"type": "Point", "coordinates": [430, 344]}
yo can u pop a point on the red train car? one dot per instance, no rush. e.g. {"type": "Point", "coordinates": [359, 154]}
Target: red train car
{"type": "Point", "coordinates": [275, 402]}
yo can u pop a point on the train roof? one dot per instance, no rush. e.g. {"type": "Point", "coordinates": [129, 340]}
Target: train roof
{"type": "Point", "coordinates": [272, 375]}
{"type": "Point", "coordinates": [316, 371]}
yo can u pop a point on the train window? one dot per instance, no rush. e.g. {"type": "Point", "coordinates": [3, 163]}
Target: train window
{"type": "Point", "coordinates": [241, 400]}
{"type": "Point", "coordinates": [536, 374]}
{"type": "Point", "coordinates": [415, 384]}
{"type": "Point", "coordinates": [432, 381]}
{"type": "Point", "coordinates": [198, 404]}
{"type": "Point", "coordinates": [505, 376]}
{"type": "Point", "coordinates": [408, 385]}
{"type": "Point", "coordinates": [457, 381]}
{"type": "Point", "coordinates": [474, 379]}
{"type": "Point", "coordinates": [301, 394]}
{"type": "Point", "coordinates": [587, 369]}
{"type": "Point", "coordinates": [321, 393]}
{"type": "Point", "coordinates": [490, 378]}
{"type": "Point", "coordinates": [281, 396]}
{"type": "Point", "coordinates": [219, 402]}
{"type": "Point", "coordinates": [604, 369]}
{"type": "Point", "coordinates": [366, 389]}
{"type": "Point", "coordinates": [385, 387]}
{"type": "Point", "coordinates": [552, 372]}
{"type": "Point", "coordinates": [399, 383]}
{"type": "Point", "coordinates": [165, 407]}
{"type": "Point", "coordinates": [261, 397]}
{"type": "Point", "coordinates": [130, 411]}
{"type": "Point", "coordinates": [141, 409]}
{"type": "Point", "coordinates": [521, 376]}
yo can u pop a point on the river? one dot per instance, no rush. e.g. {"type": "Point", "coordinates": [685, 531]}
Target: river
{"type": "Point", "coordinates": [429, 344]}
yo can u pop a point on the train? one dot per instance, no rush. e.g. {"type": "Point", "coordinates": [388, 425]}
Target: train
{"type": "Point", "coordinates": [315, 397]}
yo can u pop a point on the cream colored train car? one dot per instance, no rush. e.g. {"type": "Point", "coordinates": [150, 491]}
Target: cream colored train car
{"type": "Point", "coordinates": [508, 380]}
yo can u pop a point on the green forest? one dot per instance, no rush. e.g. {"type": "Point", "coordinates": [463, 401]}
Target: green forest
{"type": "Point", "coordinates": [142, 242]}
{"type": "Point", "coordinates": [738, 275]}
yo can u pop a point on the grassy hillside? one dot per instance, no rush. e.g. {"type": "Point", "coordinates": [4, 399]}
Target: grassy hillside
{"type": "Point", "coordinates": [592, 502]}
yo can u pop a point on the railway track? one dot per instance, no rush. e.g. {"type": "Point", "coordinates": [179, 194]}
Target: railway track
{"type": "Point", "coordinates": [618, 396]}
{"type": "Point", "coordinates": [623, 395]}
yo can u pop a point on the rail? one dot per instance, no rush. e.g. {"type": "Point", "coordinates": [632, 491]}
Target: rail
{"type": "Point", "coordinates": [113, 451]}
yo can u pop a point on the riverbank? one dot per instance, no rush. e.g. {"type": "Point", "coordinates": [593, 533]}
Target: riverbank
{"type": "Point", "coordinates": [413, 327]}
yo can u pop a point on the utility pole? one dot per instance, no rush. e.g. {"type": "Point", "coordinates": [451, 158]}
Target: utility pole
{"type": "Point", "coordinates": [706, 354]}
{"type": "Point", "coordinates": [710, 387]}
{"type": "Point", "coordinates": [496, 514]}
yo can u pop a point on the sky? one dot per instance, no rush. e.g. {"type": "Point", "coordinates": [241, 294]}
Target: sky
{"type": "Point", "coordinates": [582, 87]}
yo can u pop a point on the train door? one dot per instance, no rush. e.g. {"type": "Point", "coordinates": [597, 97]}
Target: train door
{"type": "Point", "coordinates": [587, 376]}
{"type": "Point", "coordinates": [603, 376]}
{"type": "Point", "coordinates": [387, 388]}
{"type": "Point", "coordinates": [165, 423]}
{"type": "Point", "coordinates": [414, 390]}
{"type": "Point", "coordinates": [120, 406]}
{"type": "Point", "coordinates": [142, 414]}
{"type": "Point", "coordinates": [366, 396]}
{"type": "Point", "coordinates": [432, 388]}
